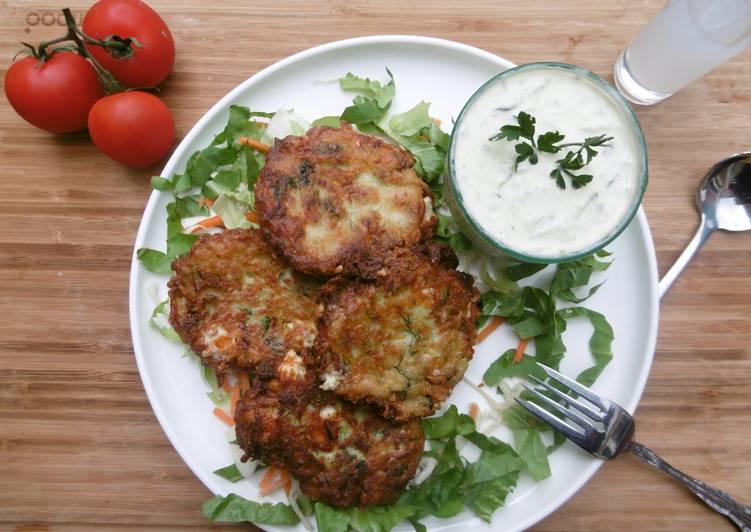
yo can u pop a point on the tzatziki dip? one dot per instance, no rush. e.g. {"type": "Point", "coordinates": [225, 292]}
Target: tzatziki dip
{"type": "Point", "coordinates": [517, 205]}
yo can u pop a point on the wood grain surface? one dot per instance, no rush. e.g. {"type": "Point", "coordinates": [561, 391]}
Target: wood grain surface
{"type": "Point", "coordinates": [79, 444]}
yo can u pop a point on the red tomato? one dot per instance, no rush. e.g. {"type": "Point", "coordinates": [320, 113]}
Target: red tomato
{"type": "Point", "coordinates": [55, 95]}
{"type": "Point", "coordinates": [133, 128]}
{"type": "Point", "coordinates": [148, 66]}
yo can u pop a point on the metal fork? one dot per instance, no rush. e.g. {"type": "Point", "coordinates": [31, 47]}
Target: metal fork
{"type": "Point", "coordinates": [604, 429]}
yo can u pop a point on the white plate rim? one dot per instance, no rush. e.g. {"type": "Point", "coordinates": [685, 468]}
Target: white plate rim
{"type": "Point", "coordinates": [221, 105]}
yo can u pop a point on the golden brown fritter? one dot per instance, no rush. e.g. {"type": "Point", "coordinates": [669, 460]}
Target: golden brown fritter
{"type": "Point", "coordinates": [342, 454]}
{"type": "Point", "coordinates": [401, 340]}
{"type": "Point", "coordinates": [334, 198]}
{"type": "Point", "coordinates": [237, 304]}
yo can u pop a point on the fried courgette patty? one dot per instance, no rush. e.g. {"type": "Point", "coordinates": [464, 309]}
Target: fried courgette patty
{"type": "Point", "coordinates": [238, 304]}
{"type": "Point", "coordinates": [401, 340]}
{"type": "Point", "coordinates": [342, 454]}
{"type": "Point", "coordinates": [333, 199]}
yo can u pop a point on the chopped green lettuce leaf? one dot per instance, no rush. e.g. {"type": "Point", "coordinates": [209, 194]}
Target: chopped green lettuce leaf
{"type": "Point", "coordinates": [239, 124]}
{"type": "Point", "coordinates": [450, 424]}
{"type": "Point", "coordinates": [532, 451]}
{"type": "Point", "coordinates": [506, 306]}
{"type": "Point", "coordinates": [371, 104]}
{"type": "Point", "coordinates": [529, 445]}
{"type": "Point", "coordinates": [331, 121]}
{"type": "Point", "coordinates": [484, 499]}
{"type": "Point", "coordinates": [600, 343]}
{"type": "Point", "coordinates": [158, 318]}
{"type": "Point", "coordinates": [218, 396]}
{"type": "Point", "coordinates": [372, 519]}
{"type": "Point", "coordinates": [411, 122]}
{"type": "Point", "coordinates": [230, 473]}
{"type": "Point", "coordinates": [285, 122]}
{"type": "Point", "coordinates": [575, 274]}
{"type": "Point", "coordinates": [231, 211]}
{"type": "Point", "coordinates": [235, 509]}
{"type": "Point", "coordinates": [155, 261]}
{"type": "Point", "coordinates": [522, 270]}
{"type": "Point", "coordinates": [504, 367]}
{"type": "Point", "coordinates": [382, 94]}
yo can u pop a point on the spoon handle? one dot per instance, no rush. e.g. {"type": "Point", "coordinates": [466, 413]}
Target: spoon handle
{"type": "Point", "coordinates": [672, 274]}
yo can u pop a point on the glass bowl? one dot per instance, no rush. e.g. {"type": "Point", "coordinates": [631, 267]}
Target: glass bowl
{"type": "Point", "coordinates": [491, 245]}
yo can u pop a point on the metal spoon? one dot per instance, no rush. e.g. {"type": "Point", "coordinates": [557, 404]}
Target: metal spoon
{"type": "Point", "coordinates": [724, 202]}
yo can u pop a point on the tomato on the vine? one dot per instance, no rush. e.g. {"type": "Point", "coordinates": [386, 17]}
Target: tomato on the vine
{"type": "Point", "coordinates": [133, 128]}
{"type": "Point", "coordinates": [148, 59]}
{"type": "Point", "coordinates": [56, 94]}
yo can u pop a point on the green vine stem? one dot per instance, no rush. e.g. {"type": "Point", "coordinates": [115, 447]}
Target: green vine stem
{"type": "Point", "coordinates": [109, 83]}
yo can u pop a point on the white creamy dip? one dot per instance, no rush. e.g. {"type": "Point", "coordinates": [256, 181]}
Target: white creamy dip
{"type": "Point", "coordinates": [524, 210]}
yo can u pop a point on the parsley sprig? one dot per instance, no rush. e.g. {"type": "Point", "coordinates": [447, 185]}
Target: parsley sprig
{"type": "Point", "coordinates": [550, 142]}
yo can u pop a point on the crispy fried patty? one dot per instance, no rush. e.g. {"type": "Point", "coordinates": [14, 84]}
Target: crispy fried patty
{"type": "Point", "coordinates": [342, 454]}
{"type": "Point", "coordinates": [402, 340]}
{"type": "Point", "coordinates": [334, 198]}
{"type": "Point", "coordinates": [237, 304]}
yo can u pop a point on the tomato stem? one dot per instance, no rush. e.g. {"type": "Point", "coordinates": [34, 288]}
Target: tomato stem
{"type": "Point", "coordinates": [110, 84]}
{"type": "Point", "coordinates": [114, 44]}
{"type": "Point", "coordinates": [42, 53]}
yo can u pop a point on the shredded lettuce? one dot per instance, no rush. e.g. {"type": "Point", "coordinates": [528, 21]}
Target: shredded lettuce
{"type": "Point", "coordinates": [160, 321]}
{"type": "Point", "coordinates": [420, 135]}
{"type": "Point", "coordinates": [382, 94]}
{"type": "Point", "coordinates": [230, 473]}
{"type": "Point", "coordinates": [482, 485]}
{"type": "Point", "coordinates": [285, 122]}
{"type": "Point", "coordinates": [448, 425]}
{"type": "Point", "coordinates": [504, 367]}
{"type": "Point", "coordinates": [372, 519]}
{"type": "Point", "coordinates": [231, 211]}
{"type": "Point", "coordinates": [224, 168]}
{"type": "Point", "coordinates": [218, 396]}
{"type": "Point", "coordinates": [235, 509]}
{"type": "Point", "coordinates": [600, 343]}
{"type": "Point", "coordinates": [527, 431]}
{"type": "Point", "coordinates": [331, 121]}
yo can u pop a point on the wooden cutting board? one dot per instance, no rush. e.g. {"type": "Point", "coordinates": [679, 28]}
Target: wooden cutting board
{"type": "Point", "coordinates": [79, 444]}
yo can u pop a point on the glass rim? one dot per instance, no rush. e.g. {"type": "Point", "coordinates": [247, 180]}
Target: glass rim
{"type": "Point", "coordinates": [622, 104]}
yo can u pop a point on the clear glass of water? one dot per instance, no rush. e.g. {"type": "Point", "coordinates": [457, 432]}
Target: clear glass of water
{"type": "Point", "coordinates": [683, 42]}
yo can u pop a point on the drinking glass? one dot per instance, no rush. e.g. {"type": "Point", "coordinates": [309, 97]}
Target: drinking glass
{"type": "Point", "coordinates": [683, 42]}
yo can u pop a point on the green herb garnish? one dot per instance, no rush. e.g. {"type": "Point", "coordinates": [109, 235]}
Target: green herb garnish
{"type": "Point", "coordinates": [550, 142]}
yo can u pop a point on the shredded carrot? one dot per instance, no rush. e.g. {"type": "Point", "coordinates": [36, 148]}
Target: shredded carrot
{"type": "Point", "coordinates": [216, 221]}
{"type": "Point", "coordinates": [273, 479]}
{"type": "Point", "coordinates": [520, 350]}
{"type": "Point", "coordinates": [437, 121]}
{"type": "Point", "coordinates": [287, 481]}
{"type": "Point", "coordinates": [244, 380]}
{"type": "Point", "coordinates": [254, 144]}
{"type": "Point", "coordinates": [205, 202]}
{"type": "Point", "coordinates": [212, 221]}
{"type": "Point", "coordinates": [474, 408]}
{"type": "Point", "coordinates": [234, 397]}
{"type": "Point", "coordinates": [226, 386]}
{"type": "Point", "coordinates": [224, 416]}
{"type": "Point", "coordinates": [492, 325]}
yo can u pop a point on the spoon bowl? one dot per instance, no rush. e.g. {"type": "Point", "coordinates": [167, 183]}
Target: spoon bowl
{"type": "Point", "coordinates": [724, 202]}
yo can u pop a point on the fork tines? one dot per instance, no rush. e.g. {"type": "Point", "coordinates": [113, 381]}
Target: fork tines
{"type": "Point", "coordinates": [582, 415]}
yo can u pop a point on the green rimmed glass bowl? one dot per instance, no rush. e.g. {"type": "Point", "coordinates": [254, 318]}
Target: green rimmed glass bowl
{"type": "Point", "coordinates": [480, 235]}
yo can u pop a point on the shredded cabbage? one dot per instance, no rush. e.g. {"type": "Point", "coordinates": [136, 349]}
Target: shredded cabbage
{"type": "Point", "coordinates": [285, 122]}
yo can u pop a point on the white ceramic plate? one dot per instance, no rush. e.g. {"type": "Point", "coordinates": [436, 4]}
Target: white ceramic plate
{"type": "Point", "coordinates": [446, 74]}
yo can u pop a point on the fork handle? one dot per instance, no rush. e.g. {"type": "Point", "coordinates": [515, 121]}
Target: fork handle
{"type": "Point", "coordinates": [716, 499]}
